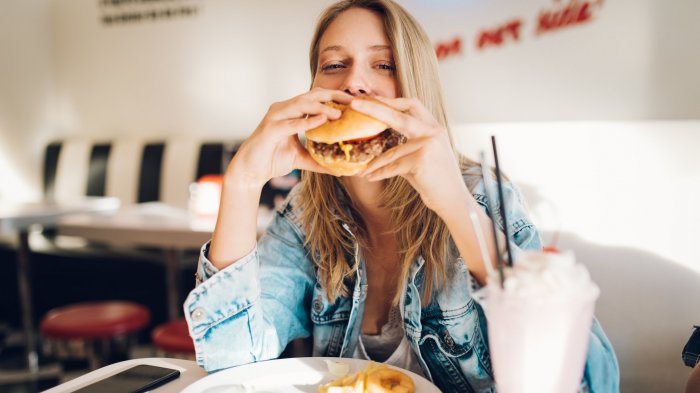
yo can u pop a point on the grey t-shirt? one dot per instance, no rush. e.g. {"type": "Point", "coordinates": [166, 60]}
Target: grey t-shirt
{"type": "Point", "coordinates": [389, 346]}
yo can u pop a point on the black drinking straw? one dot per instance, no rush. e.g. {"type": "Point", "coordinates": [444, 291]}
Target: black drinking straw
{"type": "Point", "coordinates": [491, 211]}
{"type": "Point", "coordinates": [501, 200]}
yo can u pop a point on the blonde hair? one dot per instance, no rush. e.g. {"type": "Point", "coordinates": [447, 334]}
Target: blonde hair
{"type": "Point", "coordinates": [418, 230]}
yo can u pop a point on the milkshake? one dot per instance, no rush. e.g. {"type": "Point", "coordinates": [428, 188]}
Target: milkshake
{"type": "Point", "coordinates": [539, 323]}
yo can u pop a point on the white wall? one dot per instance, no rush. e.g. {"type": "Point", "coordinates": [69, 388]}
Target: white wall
{"type": "Point", "coordinates": [218, 71]}
{"type": "Point", "coordinates": [214, 73]}
{"type": "Point", "coordinates": [25, 95]}
{"type": "Point", "coordinates": [633, 184]}
{"type": "Point", "coordinates": [634, 60]}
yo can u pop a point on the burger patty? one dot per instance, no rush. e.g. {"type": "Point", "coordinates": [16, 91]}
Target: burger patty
{"type": "Point", "coordinates": [361, 150]}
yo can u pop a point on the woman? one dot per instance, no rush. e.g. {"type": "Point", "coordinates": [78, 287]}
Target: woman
{"type": "Point", "coordinates": [378, 265]}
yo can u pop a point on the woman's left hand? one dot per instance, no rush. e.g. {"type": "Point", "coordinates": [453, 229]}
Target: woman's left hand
{"type": "Point", "coordinates": [426, 160]}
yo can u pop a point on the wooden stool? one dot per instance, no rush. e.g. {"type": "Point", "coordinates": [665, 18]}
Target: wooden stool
{"type": "Point", "coordinates": [172, 339]}
{"type": "Point", "coordinates": [96, 331]}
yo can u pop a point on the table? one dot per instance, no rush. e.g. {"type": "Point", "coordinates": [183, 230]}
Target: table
{"type": "Point", "coordinates": [19, 217]}
{"type": "Point", "coordinates": [151, 224]}
{"type": "Point", "coordinates": [189, 373]}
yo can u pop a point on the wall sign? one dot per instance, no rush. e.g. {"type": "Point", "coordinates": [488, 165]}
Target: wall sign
{"type": "Point", "coordinates": [115, 12]}
{"type": "Point", "coordinates": [558, 16]}
{"type": "Point", "coordinates": [449, 48]}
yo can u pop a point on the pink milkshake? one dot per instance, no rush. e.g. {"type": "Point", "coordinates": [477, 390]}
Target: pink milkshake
{"type": "Point", "coordinates": [539, 323]}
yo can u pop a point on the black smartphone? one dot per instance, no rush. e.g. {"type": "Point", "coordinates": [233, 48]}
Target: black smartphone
{"type": "Point", "coordinates": [136, 379]}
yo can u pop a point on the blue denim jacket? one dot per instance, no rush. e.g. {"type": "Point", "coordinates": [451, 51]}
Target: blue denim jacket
{"type": "Point", "coordinates": [253, 308]}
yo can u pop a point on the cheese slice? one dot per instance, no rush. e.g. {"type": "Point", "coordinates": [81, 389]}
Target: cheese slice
{"type": "Point", "coordinates": [346, 149]}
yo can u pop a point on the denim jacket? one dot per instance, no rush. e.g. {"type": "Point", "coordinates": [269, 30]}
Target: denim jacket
{"type": "Point", "coordinates": [250, 310]}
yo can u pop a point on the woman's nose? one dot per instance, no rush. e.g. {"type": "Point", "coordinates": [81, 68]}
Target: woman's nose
{"type": "Point", "coordinates": [355, 83]}
{"type": "Point", "coordinates": [355, 91]}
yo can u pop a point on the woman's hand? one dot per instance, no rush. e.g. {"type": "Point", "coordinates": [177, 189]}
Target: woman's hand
{"type": "Point", "coordinates": [426, 160]}
{"type": "Point", "coordinates": [274, 148]}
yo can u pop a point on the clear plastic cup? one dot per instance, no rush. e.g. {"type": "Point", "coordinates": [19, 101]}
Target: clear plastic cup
{"type": "Point", "coordinates": [538, 340]}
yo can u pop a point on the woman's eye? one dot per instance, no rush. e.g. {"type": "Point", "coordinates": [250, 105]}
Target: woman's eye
{"type": "Point", "coordinates": [387, 67]}
{"type": "Point", "coordinates": [332, 67]}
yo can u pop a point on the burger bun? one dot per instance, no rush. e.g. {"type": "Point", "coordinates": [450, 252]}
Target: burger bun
{"type": "Point", "coordinates": [350, 125]}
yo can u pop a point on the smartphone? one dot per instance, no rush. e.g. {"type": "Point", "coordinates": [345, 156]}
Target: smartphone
{"type": "Point", "coordinates": [136, 379]}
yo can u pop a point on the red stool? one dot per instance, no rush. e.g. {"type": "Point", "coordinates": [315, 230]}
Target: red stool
{"type": "Point", "coordinates": [172, 339]}
{"type": "Point", "coordinates": [96, 331]}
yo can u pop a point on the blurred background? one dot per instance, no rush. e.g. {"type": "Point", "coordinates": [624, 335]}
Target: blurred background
{"type": "Point", "coordinates": [596, 106]}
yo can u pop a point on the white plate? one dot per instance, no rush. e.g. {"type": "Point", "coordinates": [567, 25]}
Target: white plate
{"type": "Point", "coordinates": [285, 375]}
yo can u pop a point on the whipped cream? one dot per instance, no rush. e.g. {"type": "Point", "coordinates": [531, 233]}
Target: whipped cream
{"type": "Point", "coordinates": [540, 273]}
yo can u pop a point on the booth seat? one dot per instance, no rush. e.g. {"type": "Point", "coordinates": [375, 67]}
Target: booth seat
{"type": "Point", "coordinates": [133, 170]}
{"type": "Point", "coordinates": [647, 307]}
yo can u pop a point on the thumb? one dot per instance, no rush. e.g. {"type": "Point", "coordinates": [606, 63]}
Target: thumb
{"type": "Point", "coordinates": [303, 160]}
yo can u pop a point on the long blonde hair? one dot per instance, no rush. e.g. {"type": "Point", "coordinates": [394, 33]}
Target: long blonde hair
{"type": "Point", "coordinates": [418, 230]}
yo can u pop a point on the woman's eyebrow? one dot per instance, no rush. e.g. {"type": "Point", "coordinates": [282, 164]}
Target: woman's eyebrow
{"type": "Point", "coordinates": [332, 48]}
{"type": "Point", "coordinates": [379, 47]}
{"type": "Point", "coordinates": [338, 48]}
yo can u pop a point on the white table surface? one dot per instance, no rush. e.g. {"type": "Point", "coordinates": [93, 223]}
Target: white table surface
{"type": "Point", "coordinates": [150, 224]}
{"type": "Point", "coordinates": [20, 216]}
{"type": "Point", "coordinates": [189, 373]}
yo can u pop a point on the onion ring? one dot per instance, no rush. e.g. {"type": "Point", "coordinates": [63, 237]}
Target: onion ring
{"type": "Point", "coordinates": [386, 380]}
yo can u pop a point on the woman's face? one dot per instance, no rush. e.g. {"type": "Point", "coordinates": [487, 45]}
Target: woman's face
{"type": "Point", "coordinates": [355, 56]}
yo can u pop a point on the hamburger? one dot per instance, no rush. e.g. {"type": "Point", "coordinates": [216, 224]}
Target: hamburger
{"type": "Point", "coordinates": [346, 145]}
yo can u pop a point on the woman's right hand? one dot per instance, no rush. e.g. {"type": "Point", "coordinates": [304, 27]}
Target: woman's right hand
{"type": "Point", "coordinates": [274, 148]}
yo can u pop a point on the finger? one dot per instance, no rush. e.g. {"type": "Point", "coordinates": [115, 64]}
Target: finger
{"type": "Point", "coordinates": [303, 160]}
{"type": "Point", "coordinates": [311, 103]}
{"type": "Point", "coordinates": [401, 167]}
{"type": "Point", "coordinates": [308, 164]}
{"type": "Point", "coordinates": [296, 126]}
{"type": "Point", "coordinates": [411, 105]}
{"type": "Point", "coordinates": [399, 121]}
{"type": "Point", "coordinates": [326, 95]}
{"type": "Point", "coordinates": [299, 107]}
{"type": "Point", "coordinates": [394, 154]}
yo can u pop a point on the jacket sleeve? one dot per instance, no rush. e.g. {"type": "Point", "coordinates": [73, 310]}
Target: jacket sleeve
{"type": "Point", "coordinates": [602, 372]}
{"type": "Point", "coordinates": [522, 233]}
{"type": "Point", "coordinates": [250, 310]}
